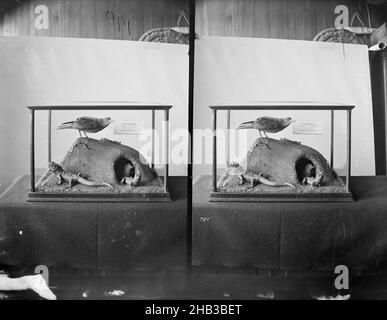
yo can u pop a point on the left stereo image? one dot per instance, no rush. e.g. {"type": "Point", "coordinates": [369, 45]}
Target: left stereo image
{"type": "Point", "coordinates": [93, 147]}
{"type": "Point", "coordinates": [101, 170]}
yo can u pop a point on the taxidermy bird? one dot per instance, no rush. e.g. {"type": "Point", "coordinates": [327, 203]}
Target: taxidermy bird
{"type": "Point", "coordinates": [267, 125]}
{"type": "Point", "coordinates": [86, 124]}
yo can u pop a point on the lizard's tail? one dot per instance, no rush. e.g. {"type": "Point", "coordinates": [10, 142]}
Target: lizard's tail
{"type": "Point", "coordinates": [107, 185]}
{"type": "Point", "coordinates": [270, 183]}
{"type": "Point", "coordinates": [290, 185]}
{"type": "Point", "coordinates": [92, 183]}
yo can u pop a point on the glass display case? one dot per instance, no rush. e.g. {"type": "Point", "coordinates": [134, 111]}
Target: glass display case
{"type": "Point", "coordinates": [101, 170]}
{"type": "Point", "coordinates": [281, 170]}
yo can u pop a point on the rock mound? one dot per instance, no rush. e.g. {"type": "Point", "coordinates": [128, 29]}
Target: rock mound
{"type": "Point", "coordinates": [286, 160]}
{"type": "Point", "coordinates": [104, 161]}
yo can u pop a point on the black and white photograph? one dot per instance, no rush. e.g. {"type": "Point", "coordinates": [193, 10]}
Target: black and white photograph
{"type": "Point", "coordinates": [221, 151]}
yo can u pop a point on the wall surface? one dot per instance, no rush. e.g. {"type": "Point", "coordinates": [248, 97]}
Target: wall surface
{"type": "Point", "coordinates": [43, 69]}
{"type": "Point", "coordinates": [235, 70]}
{"type": "Point", "coordinates": [281, 19]}
{"type": "Point", "coordinates": [84, 70]}
{"type": "Point", "coordinates": [88, 18]}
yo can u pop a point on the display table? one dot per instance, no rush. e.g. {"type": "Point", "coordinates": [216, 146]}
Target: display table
{"type": "Point", "coordinates": [129, 236]}
{"type": "Point", "coordinates": [315, 236]}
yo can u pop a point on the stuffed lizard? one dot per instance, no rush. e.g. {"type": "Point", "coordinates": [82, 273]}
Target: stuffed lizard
{"type": "Point", "coordinates": [254, 178]}
{"type": "Point", "coordinates": [72, 178]}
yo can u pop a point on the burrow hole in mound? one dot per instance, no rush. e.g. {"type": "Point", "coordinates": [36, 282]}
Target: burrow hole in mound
{"type": "Point", "coordinates": [123, 168]}
{"type": "Point", "coordinates": [305, 168]}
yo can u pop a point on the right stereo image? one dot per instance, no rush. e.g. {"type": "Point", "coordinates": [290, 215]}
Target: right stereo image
{"type": "Point", "coordinates": [289, 156]}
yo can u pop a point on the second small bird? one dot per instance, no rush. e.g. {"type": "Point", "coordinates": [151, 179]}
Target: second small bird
{"type": "Point", "coordinates": [86, 124]}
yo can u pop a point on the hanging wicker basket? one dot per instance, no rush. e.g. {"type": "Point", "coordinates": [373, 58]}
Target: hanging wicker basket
{"type": "Point", "coordinates": [342, 36]}
{"type": "Point", "coordinates": [179, 35]}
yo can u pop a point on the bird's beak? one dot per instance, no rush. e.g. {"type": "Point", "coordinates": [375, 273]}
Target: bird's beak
{"type": "Point", "coordinates": [246, 125]}
{"type": "Point", "coordinates": [292, 121]}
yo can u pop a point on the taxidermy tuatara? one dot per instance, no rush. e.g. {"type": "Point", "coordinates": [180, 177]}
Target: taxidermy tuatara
{"type": "Point", "coordinates": [254, 179]}
{"type": "Point", "coordinates": [72, 178]}
{"type": "Point", "coordinates": [234, 169]}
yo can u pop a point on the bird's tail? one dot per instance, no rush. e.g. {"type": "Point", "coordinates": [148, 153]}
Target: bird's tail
{"type": "Point", "coordinates": [246, 125]}
{"type": "Point", "coordinates": [67, 125]}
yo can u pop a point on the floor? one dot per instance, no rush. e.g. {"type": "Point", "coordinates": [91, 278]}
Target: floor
{"type": "Point", "coordinates": [311, 240]}
{"type": "Point", "coordinates": [206, 284]}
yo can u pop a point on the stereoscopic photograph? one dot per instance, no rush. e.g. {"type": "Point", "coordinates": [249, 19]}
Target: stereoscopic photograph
{"type": "Point", "coordinates": [226, 151]}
